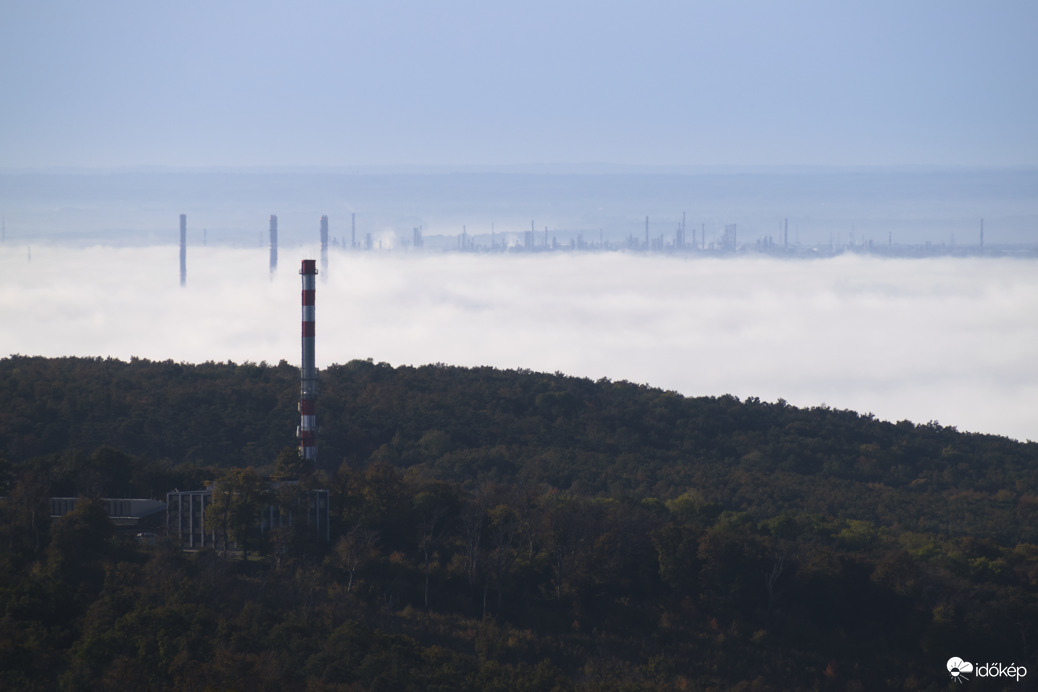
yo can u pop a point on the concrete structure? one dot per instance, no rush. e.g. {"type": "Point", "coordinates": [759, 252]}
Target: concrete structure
{"type": "Point", "coordinates": [183, 249]}
{"type": "Point", "coordinates": [324, 247]}
{"type": "Point", "coordinates": [186, 522]}
{"type": "Point", "coordinates": [312, 507]}
{"type": "Point", "coordinates": [128, 515]}
{"type": "Point", "coordinates": [729, 241]}
{"type": "Point", "coordinates": [273, 245]}
{"type": "Point", "coordinates": [307, 432]}
{"type": "Point", "coordinates": [185, 518]}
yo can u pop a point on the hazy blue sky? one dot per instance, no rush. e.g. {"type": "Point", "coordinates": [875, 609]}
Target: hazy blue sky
{"type": "Point", "coordinates": [407, 81]}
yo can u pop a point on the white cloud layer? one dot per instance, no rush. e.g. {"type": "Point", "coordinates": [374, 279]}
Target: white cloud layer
{"type": "Point", "coordinates": [936, 339]}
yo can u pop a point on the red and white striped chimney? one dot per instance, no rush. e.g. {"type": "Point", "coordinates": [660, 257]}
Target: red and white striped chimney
{"type": "Point", "coordinates": [308, 370]}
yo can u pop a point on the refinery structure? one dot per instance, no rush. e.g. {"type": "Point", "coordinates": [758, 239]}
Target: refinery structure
{"type": "Point", "coordinates": [186, 509]}
{"type": "Point", "coordinates": [727, 240]}
{"type": "Point", "coordinates": [273, 245]}
{"type": "Point", "coordinates": [183, 249]}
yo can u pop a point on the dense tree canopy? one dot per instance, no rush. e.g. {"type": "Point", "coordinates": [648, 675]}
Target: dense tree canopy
{"type": "Point", "coordinates": [503, 530]}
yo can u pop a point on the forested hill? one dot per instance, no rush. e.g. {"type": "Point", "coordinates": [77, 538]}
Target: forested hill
{"type": "Point", "coordinates": [502, 530]}
{"type": "Point", "coordinates": [468, 425]}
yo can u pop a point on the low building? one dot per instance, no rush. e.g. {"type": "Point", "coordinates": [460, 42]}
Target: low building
{"type": "Point", "coordinates": [128, 515]}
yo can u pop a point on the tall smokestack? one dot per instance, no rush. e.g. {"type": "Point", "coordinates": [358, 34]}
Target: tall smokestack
{"type": "Point", "coordinates": [273, 244]}
{"type": "Point", "coordinates": [307, 370]}
{"type": "Point", "coordinates": [324, 246]}
{"type": "Point", "coordinates": [183, 249]}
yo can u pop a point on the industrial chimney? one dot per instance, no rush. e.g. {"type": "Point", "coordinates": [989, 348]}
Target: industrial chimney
{"type": "Point", "coordinates": [183, 249]}
{"type": "Point", "coordinates": [324, 246]}
{"type": "Point", "coordinates": [308, 371]}
{"type": "Point", "coordinates": [273, 245]}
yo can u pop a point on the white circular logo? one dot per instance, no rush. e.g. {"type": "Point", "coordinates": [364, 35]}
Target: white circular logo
{"type": "Point", "coordinates": [958, 668]}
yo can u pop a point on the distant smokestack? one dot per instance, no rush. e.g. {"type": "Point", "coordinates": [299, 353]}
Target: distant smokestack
{"type": "Point", "coordinates": [183, 249]}
{"type": "Point", "coordinates": [308, 371]}
{"type": "Point", "coordinates": [324, 247]}
{"type": "Point", "coordinates": [273, 245]}
{"type": "Point", "coordinates": [982, 234]}
{"type": "Point", "coordinates": [353, 230]}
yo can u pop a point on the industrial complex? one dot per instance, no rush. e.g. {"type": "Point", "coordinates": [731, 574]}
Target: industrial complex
{"type": "Point", "coordinates": [183, 516]}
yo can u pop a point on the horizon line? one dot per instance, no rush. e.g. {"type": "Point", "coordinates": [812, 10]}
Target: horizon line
{"type": "Point", "coordinates": [575, 168]}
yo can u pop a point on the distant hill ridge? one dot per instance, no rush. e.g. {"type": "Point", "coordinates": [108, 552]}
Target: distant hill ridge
{"type": "Point", "coordinates": [470, 424]}
{"type": "Point", "coordinates": [502, 530]}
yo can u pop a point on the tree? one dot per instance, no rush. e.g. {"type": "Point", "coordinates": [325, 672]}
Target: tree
{"type": "Point", "coordinates": [433, 505]}
{"type": "Point", "coordinates": [354, 550]}
{"type": "Point", "coordinates": [503, 549]}
{"type": "Point", "coordinates": [27, 511]}
{"type": "Point", "coordinates": [79, 543]}
{"type": "Point", "coordinates": [239, 497]}
{"type": "Point", "coordinates": [568, 536]}
{"type": "Point", "coordinates": [289, 465]}
{"type": "Point", "coordinates": [105, 473]}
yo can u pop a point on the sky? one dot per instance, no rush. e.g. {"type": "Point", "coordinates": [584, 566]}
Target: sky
{"type": "Point", "coordinates": [157, 101]}
{"type": "Point", "coordinates": [462, 83]}
{"type": "Point", "coordinates": [944, 339]}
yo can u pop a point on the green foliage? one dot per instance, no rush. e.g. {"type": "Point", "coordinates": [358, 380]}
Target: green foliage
{"type": "Point", "coordinates": [239, 496]}
{"type": "Point", "coordinates": [501, 530]}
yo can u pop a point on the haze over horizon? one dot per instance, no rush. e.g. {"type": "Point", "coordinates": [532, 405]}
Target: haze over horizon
{"type": "Point", "coordinates": [317, 83]}
{"type": "Point", "coordinates": [816, 207]}
{"type": "Point", "coordinates": [125, 87]}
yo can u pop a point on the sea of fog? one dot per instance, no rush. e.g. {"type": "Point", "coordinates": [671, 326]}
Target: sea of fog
{"type": "Point", "coordinates": [945, 339]}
